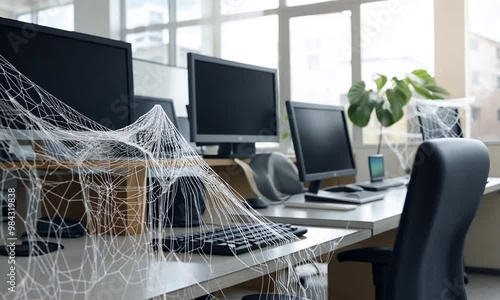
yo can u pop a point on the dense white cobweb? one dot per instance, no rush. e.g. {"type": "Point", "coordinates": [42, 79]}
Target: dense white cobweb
{"type": "Point", "coordinates": [60, 164]}
{"type": "Point", "coordinates": [427, 119]}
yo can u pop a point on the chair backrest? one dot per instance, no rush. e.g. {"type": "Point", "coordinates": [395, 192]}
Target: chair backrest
{"type": "Point", "coordinates": [439, 122]}
{"type": "Point", "coordinates": [446, 186]}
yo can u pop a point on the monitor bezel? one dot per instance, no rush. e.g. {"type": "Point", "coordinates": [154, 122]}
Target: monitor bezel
{"type": "Point", "coordinates": [139, 98]}
{"type": "Point", "coordinates": [223, 138]}
{"type": "Point", "coordinates": [89, 39]}
{"type": "Point", "coordinates": [291, 106]}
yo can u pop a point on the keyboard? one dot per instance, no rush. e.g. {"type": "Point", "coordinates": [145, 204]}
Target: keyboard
{"type": "Point", "coordinates": [232, 240]}
{"type": "Point", "coordinates": [381, 185]}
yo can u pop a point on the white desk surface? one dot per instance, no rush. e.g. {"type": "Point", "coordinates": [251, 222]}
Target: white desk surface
{"type": "Point", "coordinates": [378, 216]}
{"type": "Point", "coordinates": [138, 274]}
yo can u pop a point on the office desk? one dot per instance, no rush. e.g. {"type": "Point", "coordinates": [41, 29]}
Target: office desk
{"type": "Point", "coordinates": [234, 175]}
{"type": "Point", "coordinates": [378, 216]}
{"type": "Point", "coordinates": [142, 275]}
{"type": "Point", "coordinates": [351, 280]}
{"type": "Point", "coordinates": [127, 211]}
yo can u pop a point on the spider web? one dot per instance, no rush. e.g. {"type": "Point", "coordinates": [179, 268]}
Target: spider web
{"type": "Point", "coordinates": [59, 164]}
{"type": "Point", "coordinates": [431, 119]}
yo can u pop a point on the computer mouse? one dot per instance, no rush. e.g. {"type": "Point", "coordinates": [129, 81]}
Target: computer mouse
{"type": "Point", "coordinates": [256, 203]}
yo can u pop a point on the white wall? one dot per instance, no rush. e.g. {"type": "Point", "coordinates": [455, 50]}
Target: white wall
{"type": "Point", "coordinates": [162, 81]}
{"type": "Point", "coordinates": [98, 17]}
{"type": "Point", "coordinates": [6, 14]}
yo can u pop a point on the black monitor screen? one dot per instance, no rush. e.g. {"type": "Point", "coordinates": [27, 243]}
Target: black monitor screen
{"type": "Point", "coordinates": [232, 102]}
{"type": "Point", "coordinates": [321, 141]}
{"type": "Point", "coordinates": [143, 105]}
{"type": "Point", "coordinates": [90, 74]}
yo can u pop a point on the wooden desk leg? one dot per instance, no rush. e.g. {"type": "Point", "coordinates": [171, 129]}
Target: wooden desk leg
{"type": "Point", "coordinates": [136, 185]}
{"type": "Point", "coordinates": [350, 280]}
{"type": "Point", "coordinates": [118, 209]}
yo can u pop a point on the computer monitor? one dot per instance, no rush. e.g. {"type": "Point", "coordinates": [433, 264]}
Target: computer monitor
{"type": "Point", "coordinates": [439, 122]}
{"type": "Point", "coordinates": [321, 141]}
{"type": "Point", "coordinates": [183, 123]}
{"type": "Point", "coordinates": [143, 105]}
{"type": "Point", "coordinates": [233, 104]}
{"type": "Point", "coordinates": [377, 167]}
{"type": "Point", "coordinates": [92, 75]}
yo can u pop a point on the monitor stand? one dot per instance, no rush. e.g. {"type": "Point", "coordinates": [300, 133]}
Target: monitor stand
{"type": "Point", "coordinates": [234, 150]}
{"type": "Point", "coordinates": [314, 186]}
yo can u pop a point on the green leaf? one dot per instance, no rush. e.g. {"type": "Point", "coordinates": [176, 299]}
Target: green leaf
{"type": "Point", "coordinates": [380, 80]}
{"type": "Point", "coordinates": [397, 98]}
{"type": "Point", "coordinates": [361, 106]}
{"type": "Point", "coordinates": [384, 116]}
{"type": "Point", "coordinates": [424, 76]}
{"type": "Point", "coordinates": [403, 91]}
{"type": "Point", "coordinates": [357, 92]}
{"type": "Point", "coordinates": [425, 85]}
{"type": "Point", "coordinates": [360, 114]}
{"type": "Point", "coordinates": [394, 97]}
{"type": "Point", "coordinates": [398, 102]}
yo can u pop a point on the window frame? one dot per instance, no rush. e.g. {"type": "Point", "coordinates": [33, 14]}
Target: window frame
{"type": "Point", "coordinates": [214, 18]}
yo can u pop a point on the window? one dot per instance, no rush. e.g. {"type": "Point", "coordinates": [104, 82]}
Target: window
{"type": "Point", "coordinates": [393, 44]}
{"type": "Point", "coordinates": [474, 44]}
{"type": "Point", "coordinates": [252, 41]}
{"type": "Point", "coordinates": [150, 45]}
{"type": "Point", "coordinates": [320, 69]}
{"type": "Point", "coordinates": [25, 18]}
{"type": "Point", "coordinates": [476, 114]}
{"type": "Point", "coordinates": [141, 13]}
{"type": "Point", "coordinates": [475, 77]}
{"type": "Point", "coordinates": [303, 2]}
{"type": "Point", "coordinates": [311, 41]}
{"type": "Point", "coordinates": [484, 61]}
{"type": "Point", "coordinates": [195, 39]}
{"type": "Point", "coordinates": [190, 9]}
{"type": "Point", "coordinates": [228, 7]}
{"type": "Point", "coordinates": [62, 16]}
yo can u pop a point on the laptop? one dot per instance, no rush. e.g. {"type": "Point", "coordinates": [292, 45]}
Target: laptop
{"type": "Point", "coordinates": [377, 175]}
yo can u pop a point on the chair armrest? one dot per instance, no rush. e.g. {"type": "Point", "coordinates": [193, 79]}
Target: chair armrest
{"type": "Point", "coordinates": [377, 255]}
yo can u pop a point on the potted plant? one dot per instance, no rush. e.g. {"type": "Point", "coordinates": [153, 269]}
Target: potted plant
{"type": "Point", "coordinates": [390, 98]}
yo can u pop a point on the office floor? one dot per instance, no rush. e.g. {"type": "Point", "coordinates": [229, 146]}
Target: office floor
{"type": "Point", "coordinates": [483, 287]}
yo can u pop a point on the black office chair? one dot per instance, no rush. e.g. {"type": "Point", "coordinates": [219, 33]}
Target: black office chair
{"type": "Point", "coordinates": [446, 186]}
